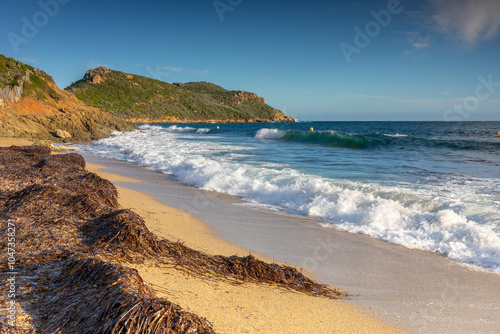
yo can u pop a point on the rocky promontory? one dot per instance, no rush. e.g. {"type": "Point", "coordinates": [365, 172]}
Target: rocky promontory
{"type": "Point", "coordinates": [104, 100]}
{"type": "Point", "coordinates": [141, 99]}
{"type": "Point", "coordinates": [32, 106]}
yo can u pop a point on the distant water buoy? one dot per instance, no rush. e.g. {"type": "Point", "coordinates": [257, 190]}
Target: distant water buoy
{"type": "Point", "coordinates": [217, 127]}
{"type": "Point", "coordinates": [313, 130]}
{"type": "Point", "coordinates": [498, 133]}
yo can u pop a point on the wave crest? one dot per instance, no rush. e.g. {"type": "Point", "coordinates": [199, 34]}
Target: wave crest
{"type": "Point", "coordinates": [369, 141]}
{"type": "Point", "coordinates": [269, 134]}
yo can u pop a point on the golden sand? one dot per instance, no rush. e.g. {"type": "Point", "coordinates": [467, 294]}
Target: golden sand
{"type": "Point", "coordinates": [231, 308]}
{"type": "Point", "coordinates": [7, 142]}
{"type": "Point", "coordinates": [240, 308]}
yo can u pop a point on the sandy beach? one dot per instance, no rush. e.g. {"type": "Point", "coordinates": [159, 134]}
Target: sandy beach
{"type": "Point", "coordinates": [421, 291]}
{"type": "Point", "coordinates": [229, 305]}
{"type": "Point", "coordinates": [246, 308]}
{"type": "Point", "coordinates": [227, 167]}
{"type": "Point", "coordinates": [391, 287]}
{"type": "Point", "coordinates": [6, 142]}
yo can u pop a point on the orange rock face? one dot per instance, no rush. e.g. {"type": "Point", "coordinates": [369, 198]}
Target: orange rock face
{"type": "Point", "coordinates": [97, 79]}
{"type": "Point", "coordinates": [58, 116]}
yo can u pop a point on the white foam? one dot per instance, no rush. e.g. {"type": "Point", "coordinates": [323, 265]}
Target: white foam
{"type": "Point", "coordinates": [269, 134]}
{"type": "Point", "coordinates": [150, 127]}
{"type": "Point", "coordinates": [176, 128]}
{"type": "Point", "coordinates": [447, 218]}
{"type": "Point", "coordinates": [397, 135]}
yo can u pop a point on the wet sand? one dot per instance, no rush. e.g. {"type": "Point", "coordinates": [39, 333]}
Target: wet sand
{"type": "Point", "coordinates": [417, 290]}
{"type": "Point", "coordinates": [234, 308]}
{"type": "Point", "coordinates": [231, 306]}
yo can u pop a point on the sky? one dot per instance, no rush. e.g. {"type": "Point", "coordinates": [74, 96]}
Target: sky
{"type": "Point", "coordinates": [315, 60]}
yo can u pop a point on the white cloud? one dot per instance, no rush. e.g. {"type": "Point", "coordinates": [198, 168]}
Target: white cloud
{"type": "Point", "coordinates": [471, 21]}
{"type": "Point", "coordinates": [445, 92]}
{"type": "Point", "coordinates": [416, 40]}
{"type": "Point", "coordinates": [421, 42]}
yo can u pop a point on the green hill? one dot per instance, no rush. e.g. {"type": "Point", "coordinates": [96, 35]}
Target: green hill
{"type": "Point", "coordinates": [21, 80]}
{"type": "Point", "coordinates": [32, 106]}
{"type": "Point", "coordinates": [142, 99]}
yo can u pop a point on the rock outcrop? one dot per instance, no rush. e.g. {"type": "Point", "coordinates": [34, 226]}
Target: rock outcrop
{"type": "Point", "coordinates": [79, 124]}
{"type": "Point", "coordinates": [62, 134]}
{"type": "Point", "coordinates": [32, 106]}
{"type": "Point", "coordinates": [13, 93]}
{"type": "Point", "coordinates": [138, 98]}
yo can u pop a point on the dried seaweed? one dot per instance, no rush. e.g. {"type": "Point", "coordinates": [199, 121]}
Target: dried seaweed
{"type": "Point", "coordinates": [69, 158]}
{"type": "Point", "coordinates": [68, 230]}
{"type": "Point", "coordinates": [114, 299]}
{"type": "Point", "coordinates": [30, 149]}
{"type": "Point", "coordinates": [124, 232]}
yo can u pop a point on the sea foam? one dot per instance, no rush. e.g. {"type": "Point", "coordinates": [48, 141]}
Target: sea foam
{"type": "Point", "coordinates": [430, 218]}
{"type": "Point", "coordinates": [269, 134]}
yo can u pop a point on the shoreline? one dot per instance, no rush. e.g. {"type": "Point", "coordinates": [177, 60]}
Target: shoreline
{"type": "Point", "coordinates": [180, 224]}
{"type": "Point", "coordinates": [414, 289]}
{"type": "Point", "coordinates": [231, 306]}
{"type": "Point", "coordinates": [319, 315]}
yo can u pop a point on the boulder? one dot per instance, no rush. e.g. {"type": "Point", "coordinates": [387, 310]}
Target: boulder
{"type": "Point", "coordinates": [62, 134]}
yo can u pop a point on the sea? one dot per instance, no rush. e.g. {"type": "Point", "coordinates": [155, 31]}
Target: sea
{"type": "Point", "coordinates": [433, 186]}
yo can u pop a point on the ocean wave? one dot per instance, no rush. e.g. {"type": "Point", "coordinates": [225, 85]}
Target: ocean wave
{"type": "Point", "coordinates": [176, 128]}
{"type": "Point", "coordinates": [370, 141]}
{"type": "Point", "coordinates": [396, 135]}
{"type": "Point", "coordinates": [269, 134]}
{"type": "Point", "coordinates": [463, 228]}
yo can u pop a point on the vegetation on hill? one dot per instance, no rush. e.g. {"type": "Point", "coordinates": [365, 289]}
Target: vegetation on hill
{"type": "Point", "coordinates": [11, 70]}
{"type": "Point", "coordinates": [32, 106]}
{"type": "Point", "coordinates": [136, 97]}
{"type": "Point", "coordinates": [39, 86]}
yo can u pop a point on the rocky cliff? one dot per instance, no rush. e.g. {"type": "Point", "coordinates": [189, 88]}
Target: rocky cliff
{"type": "Point", "coordinates": [31, 105]}
{"type": "Point", "coordinates": [141, 99]}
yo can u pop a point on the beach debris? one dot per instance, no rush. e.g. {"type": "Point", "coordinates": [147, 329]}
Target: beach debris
{"type": "Point", "coordinates": [114, 299]}
{"type": "Point", "coordinates": [124, 232]}
{"type": "Point", "coordinates": [75, 247]}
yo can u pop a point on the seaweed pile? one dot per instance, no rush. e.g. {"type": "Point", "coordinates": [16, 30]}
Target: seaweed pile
{"type": "Point", "coordinates": [75, 246]}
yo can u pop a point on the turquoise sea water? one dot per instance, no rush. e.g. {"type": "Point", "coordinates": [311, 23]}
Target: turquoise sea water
{"type": "Point", "coordinates": [427, 185]}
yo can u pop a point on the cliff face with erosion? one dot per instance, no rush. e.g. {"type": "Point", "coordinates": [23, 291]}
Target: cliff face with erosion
{"type": "Point", "coordinates": [32, 106]}
{"type": "Point", "coordinates": [142, 99]}
{"type": "Point", "coordinates": [13, 93]}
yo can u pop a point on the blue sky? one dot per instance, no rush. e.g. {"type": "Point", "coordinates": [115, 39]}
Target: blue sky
{"type": "Point", "coordinates": [315, 60]}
